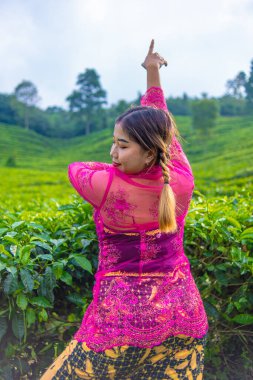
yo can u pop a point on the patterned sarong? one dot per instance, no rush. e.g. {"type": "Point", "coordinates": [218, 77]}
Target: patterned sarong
{"type": "Point", "coordinates": [176, 358]}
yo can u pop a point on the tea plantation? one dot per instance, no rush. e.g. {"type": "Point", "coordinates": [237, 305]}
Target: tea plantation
{"type": "Point", "coordinates": [48, 245]}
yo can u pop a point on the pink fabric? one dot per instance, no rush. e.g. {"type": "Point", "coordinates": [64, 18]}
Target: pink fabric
{"type": "Point", "coordinates": [144, 291]}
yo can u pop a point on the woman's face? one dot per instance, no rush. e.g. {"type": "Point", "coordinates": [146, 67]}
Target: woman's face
{"type": "Point", "coordinates": [127, 155]}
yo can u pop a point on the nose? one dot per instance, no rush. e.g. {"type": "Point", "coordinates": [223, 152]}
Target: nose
{"type": "Point", "coordinates": [113, 152]}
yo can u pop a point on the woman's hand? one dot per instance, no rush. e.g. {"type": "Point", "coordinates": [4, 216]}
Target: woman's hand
{"type": "Point", "coordinates": [153, 59]}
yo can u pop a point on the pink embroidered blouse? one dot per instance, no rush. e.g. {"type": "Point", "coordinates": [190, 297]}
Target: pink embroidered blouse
{"type": "Point", "coordinates": [144, 291]}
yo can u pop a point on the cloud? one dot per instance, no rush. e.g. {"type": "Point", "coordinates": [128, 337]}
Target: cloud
{"type": "Point", "coordinates": [50, 42]}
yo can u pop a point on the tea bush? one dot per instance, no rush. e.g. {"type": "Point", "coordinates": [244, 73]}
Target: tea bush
{"type": "Point", "coordinates": [48, 256]}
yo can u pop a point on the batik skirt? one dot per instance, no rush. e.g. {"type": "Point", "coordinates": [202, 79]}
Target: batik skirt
{"type": "Point", "coordinates": [177, 358]}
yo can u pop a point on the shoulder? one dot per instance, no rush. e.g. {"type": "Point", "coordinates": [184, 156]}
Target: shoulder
{"type": "Point", "coordinates": [90, 165]}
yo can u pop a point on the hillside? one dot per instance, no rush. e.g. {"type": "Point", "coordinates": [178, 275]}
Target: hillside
{"type": "Point", "coordinates": [221, 161]}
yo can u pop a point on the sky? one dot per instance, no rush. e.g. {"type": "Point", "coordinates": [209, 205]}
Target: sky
{"type": "Point", "coordinates": [49, 42]}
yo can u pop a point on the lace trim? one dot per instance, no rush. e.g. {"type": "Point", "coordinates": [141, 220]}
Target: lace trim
{"type": "Point", "coordinates": [152, 232]}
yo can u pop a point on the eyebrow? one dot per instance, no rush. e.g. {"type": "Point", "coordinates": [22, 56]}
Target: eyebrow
{"type": "Point", "coordinates": [125, 141]}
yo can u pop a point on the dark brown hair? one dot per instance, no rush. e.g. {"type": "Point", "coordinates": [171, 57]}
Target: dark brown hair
{"type": "Point", "coordinates": [153, 129]}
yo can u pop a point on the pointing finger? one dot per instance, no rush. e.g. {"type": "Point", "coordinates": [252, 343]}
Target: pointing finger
{"type": "Point", "coordinates": [151, 47]}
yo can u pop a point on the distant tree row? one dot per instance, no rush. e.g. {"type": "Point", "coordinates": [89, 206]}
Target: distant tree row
{"type": "Point", "coordinates": [87, 112]}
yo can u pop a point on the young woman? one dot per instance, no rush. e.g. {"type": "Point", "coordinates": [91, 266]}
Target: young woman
{"type": "Point", "coordinates": [146, 320]}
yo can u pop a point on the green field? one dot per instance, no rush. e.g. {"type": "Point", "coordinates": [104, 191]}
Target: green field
{"type": "Point", "coordinates": [221, 161]}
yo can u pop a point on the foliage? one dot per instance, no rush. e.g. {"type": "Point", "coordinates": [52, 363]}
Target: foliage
{"type": "Point", "coordinates": [11, 161]}
{"type": "Point", "coordinates": [249, 89]}
{"type": "Point", "coordinates": [204, 114]}
{"type": "Point", "coordinates": [232, 106]}
{"type": "Point", "coordinates": [85, 102]}
{"type": "Point", "coordinates": [48, 258]}
{"type": "Point", "coordinates": [236, 86]}
{"type": "Point", "coordinates": [27, 94]}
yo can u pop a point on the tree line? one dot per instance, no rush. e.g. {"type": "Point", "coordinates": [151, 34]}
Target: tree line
{"type": "Point", "coordinates": [87, 111]}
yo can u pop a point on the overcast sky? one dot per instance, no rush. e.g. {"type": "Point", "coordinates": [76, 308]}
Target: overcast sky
{"type": "Point", "coordinates": [49, 42]}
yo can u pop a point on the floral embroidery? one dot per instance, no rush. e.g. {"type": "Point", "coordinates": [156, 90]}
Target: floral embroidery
{"type": "Point", "coordinates": [117, 208]}
{"type": "Point", "coordinates": [111, 255]}
{"type": "Point", "coordinates": [153, 210]}
{"type": "Point", "coordinates": [84, 178]}
{"type": "Point", "coordinates": [152, 249]}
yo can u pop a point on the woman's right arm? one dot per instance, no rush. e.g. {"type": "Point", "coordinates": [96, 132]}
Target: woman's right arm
{"type": "Point", "coordinates": [90, 180]}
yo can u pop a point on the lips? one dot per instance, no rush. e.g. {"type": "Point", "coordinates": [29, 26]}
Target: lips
{"type": "Point", "coordinates": [115, 163]}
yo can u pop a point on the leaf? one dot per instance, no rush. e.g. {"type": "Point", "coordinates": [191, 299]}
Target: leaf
{"type": "Point", "coordinates": [3, 230]}
{"type": "Point", "coordinates": [42, 245]}
{"type": "Point", "coordinates": [247, 234]}
{"type": "Point", "coordinates": [85, 242]}
{"type": "Point", "coordinates": [27, 279]}
{"type": "Point", "coordinates": [30, 316]}
{"type": "Point", "coordinates": [4, 251]}
{"type": "Point", "coordinates": [12, 270]}
{"type": "Point", "coordinates": [45, 256]}
{"type": "Point", "coordinates": [58, 269]}
{"type": "Point", "coordinates": [24, 253]}
{"type": "Point", "coordinates": [40, 301]}
{"type": "Point", "coordinates": [22, 301]}
{"type": "Point", "coordinates": [10, 284]}
{"type": "Point", "coordinates": [35, 225]}
{"type": "Point", "coordinates": [76, 299]}
{"type": "Point", "coordinates": [17, 224]}
{"type": "Point", "coordinates": [57, 242]}
{"type": "Point", "coordinates": [11, 239]}
{"type": "Point", "coordinates": [43, 315]}
{"type": "Point", "coordinates": [233, 221]}
{"type": "Point", "coordinates": [18, 325]}
{"type": "Point", "coordinates": [66, 207]}
{"type": "Point", "coordinates": [66, 277]}
{"type": "Point", "coordinates": [243, 319]}
{"type": "Point", "coordinates": [83, 262]}
{"type": "Point", "coordinates": [2, 266]}
{"type": "Point", "coordinates": [3, 327]}
{"type": "Point", "coordinates": [49, 278]}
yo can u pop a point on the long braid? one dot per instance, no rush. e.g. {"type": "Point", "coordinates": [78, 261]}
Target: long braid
{"type": "Point", "coordinates": [164, 164]}
{"type": "Point", "coordinates": [167, 205]}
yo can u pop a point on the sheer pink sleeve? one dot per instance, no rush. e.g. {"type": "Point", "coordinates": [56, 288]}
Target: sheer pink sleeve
{"type": "Point", "coordinates": [182, 181]}
{"type": "Point", "coordinates": [90, 179]}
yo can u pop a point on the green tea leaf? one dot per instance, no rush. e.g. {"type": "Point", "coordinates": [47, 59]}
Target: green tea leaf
{"type": "Point", "coordinates": [66, 277]}
{"type": "Point", "coordinates": [22, 301]}
{"type": "Point", "coordinates": [243, 319]}
{"type": "Point", "coordinates": [40, 301]}
{"type": "Point", "coordinates": [83, 262]}
{"type": "Point", "coordinates": [30, 316]}
{"type": "Point", "coordinates": [43, 315]}
{"type": "Point", "coordinates": [10, 284]}
{"type": "Point", "coordinates": [18, 325]}
{"type": "Point", "coordinates": [27, 279]}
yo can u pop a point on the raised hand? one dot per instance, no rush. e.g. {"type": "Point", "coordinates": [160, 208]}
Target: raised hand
{"type": "Point", "coordinates": [153, 59]}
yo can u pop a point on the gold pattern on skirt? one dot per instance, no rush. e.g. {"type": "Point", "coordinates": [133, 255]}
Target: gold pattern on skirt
{"type": "Point", "coordinates": [179, 358]}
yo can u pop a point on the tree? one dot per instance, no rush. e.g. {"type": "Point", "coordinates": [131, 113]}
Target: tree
{"type": "Point", "coordinates": [236, 86]}
{"type": "Point", "coordinates": [204, 112]}
{"type": "Point", "coordinates": [249, 89]}
{"type": "Point", "coordinates": [87, 100]}
{"type": "Point", "coordinates": [26, 93]}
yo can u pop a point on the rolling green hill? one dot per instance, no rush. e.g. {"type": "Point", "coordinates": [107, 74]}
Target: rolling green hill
{"type": "Point", "coordinates": [221, 161]}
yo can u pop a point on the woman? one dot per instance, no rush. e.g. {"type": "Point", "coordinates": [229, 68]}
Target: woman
{"type": "Point", "coordinates": [146, 320]}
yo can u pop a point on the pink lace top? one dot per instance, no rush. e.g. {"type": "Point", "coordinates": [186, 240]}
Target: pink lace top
{"type": "Point", "coordinates": [144, 291]}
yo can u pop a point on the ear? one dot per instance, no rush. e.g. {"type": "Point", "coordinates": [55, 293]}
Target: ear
{"type": "Point", "coordinates": [150, 155]}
